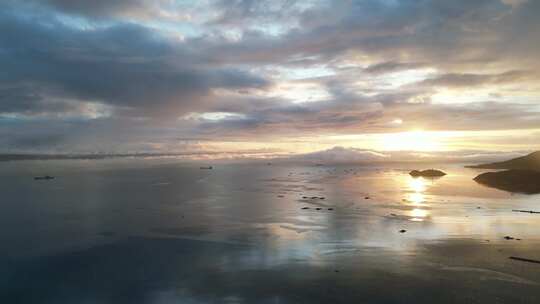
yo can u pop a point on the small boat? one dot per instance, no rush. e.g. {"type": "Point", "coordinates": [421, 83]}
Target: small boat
{"type": "Point", "coordinates": [45, 177]}
{"type": "Point", "coordinates": [206, 168]}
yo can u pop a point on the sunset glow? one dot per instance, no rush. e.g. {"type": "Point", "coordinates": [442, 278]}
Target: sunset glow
{"type": "Point", "coordinates": [256, 79]}
{"type": "Point", "coordinates": [411, 141]}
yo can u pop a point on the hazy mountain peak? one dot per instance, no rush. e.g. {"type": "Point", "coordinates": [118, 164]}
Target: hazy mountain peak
{"type": "Point", "coordinates": [527, 162]}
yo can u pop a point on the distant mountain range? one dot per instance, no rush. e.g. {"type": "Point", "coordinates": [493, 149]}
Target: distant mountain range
{"type": "Point", "coordinates": [333, 155]}
{"type": "Point", "coordinates": [351, 155]}
{"type": "Point", "coordinates": [17, 157]}
{"type": "Point", "coordinates": [527, 162]}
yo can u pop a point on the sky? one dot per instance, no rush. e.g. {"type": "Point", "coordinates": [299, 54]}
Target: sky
{"type": "Point", "coordinates": [246, 78]}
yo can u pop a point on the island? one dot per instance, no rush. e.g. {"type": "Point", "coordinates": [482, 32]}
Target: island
{"type": "Point", "coordinates": [527, 162]}
{"type": "Point", "coordinates": [427, 173]}
{"type": "Point", "coordinates": [515, 180]}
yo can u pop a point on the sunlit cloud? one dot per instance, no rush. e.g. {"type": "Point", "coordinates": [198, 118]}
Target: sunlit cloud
{"type": "Point", "coordinates": [411, 141]}
{"type": "Point", "coordinates": [214, 116]}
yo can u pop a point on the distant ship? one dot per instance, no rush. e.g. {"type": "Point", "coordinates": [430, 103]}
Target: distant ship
{"type": "Point", "coordinates": [206, 168]}
{"type": "Point", "coordinates": [45, 177]}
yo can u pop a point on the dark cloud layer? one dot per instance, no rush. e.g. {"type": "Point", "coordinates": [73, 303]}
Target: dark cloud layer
{"type": "Point", "coordinates": [122, 65]}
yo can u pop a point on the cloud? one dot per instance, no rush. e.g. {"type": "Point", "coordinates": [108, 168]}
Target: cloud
{"type": "Point", "coordinates": [392, 66]}
{"type": "Point", "coordinates": [122, 65]}
{"type": "Point", "coordinates": [472, 80]}
{"type": "Point", "coordinates": [95, 8]}
{"type": "Point", "coordinates": [134, 69]}
{"type": "Point", "coordinates": [514, 2]}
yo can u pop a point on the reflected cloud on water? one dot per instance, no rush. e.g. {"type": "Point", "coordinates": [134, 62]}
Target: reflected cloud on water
{"type": "Point", "coordinates": [240, 234]}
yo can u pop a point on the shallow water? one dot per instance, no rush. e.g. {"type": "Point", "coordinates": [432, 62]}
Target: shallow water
{"type": "Point", "coordinates": [159, 231]}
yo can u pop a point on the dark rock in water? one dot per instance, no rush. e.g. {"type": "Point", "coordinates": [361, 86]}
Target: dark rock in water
{"type": "Point", "coordinates": [526, 211]}
{"type": "Point", "coordinates": [330, 209]}
{"type": "Point", "coordinates": [522, 181]}
{"type": "Point", "coordinates": [305, 208]}
{"type": "Point", "coordinates": [427, 173]}
{"type": "Point", "coordinates": [402, 231]}
{"type": "Point", "coordinates": [46, 177]}
{"type": "Point", "coordinates": [318, 208]}
{"type": "Point", "coordinates": [527, 162]}
{"type": "Point", "coordinates": [508, 238]}
{"type": "Point", "coordinates": [524, 260]}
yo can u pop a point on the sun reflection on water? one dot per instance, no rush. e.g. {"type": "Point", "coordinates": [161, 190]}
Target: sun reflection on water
{"type": "Point", "coordinates": [416, 197]}
{"type": "Point", "coordinates": [417, 184]}
{"type": "Point", "coordinates": [419, 212]}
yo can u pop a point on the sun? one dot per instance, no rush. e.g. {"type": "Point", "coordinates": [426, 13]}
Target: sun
{"type": "Point", "coordinates": [416, 140]}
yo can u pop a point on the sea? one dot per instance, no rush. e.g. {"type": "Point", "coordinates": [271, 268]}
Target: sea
{"type": "Point", "coordinates": [163, 230]}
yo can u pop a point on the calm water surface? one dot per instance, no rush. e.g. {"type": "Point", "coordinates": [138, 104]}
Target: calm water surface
{"type": "Point", "coordinates": [159, 231]}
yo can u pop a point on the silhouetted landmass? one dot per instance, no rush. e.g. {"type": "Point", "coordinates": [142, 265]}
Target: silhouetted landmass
{"type": "Point", "coordinates": [427, 173]}
{"type": "Point", "coordinates": [522, 181]}
{"type": "Point", "coordinates": [527, 162]}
